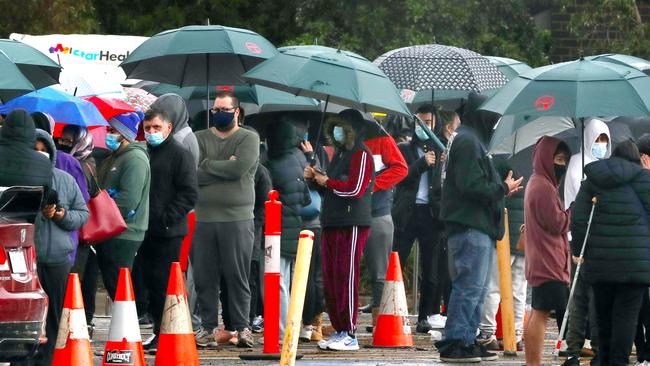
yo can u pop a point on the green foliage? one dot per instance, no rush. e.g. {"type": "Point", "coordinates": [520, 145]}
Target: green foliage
{"type": "Point", "coordinates": [47, 16]}
{"type": "Point", "coordinates": [607, 26]}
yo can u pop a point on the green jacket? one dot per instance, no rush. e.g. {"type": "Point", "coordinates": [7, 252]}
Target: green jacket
{"type": "Point", "coordinates": [472, 193]}
{"type": "Point", "coordinates": [126, 171]}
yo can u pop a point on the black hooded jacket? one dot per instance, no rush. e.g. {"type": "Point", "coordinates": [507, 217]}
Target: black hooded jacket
{"type": "Point", "coordinates": [20, 164]}
{"type": "Point", "coordinates": [473, 193]}
{"type": "Point", "coordinates": [286, 165]}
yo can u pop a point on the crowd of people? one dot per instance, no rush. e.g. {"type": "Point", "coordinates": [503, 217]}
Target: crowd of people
{"type": "Point", "coordinates": [364, 193]}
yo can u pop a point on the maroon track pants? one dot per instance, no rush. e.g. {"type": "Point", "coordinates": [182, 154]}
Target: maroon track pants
{"type": "Point", "coordinates": [341, 249]}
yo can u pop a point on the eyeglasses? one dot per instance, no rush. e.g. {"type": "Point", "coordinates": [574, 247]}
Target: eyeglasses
{"type": "Point", "coordinates": [217, 110]}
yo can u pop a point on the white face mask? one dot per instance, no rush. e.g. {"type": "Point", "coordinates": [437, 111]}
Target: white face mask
{"type": "Point", "coordinates": [47, 155]}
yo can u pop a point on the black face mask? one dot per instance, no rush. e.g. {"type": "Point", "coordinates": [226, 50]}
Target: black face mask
{"type": "Point", "coordinates": [560, 170]}
{"type": "Point", "coordinates": [65, 148]}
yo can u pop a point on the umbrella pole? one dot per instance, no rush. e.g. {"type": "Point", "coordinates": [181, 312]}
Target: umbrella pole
{"type": "Point", "coordinates": [582, 138]}
{"type": "Point", "coordinates": [207, 90]}
{"type": "Point", "coordinates": [320, 130]}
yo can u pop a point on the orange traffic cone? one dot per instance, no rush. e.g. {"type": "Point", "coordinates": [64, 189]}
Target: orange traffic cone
{"type": "Point", "coordinates": [124, 345]}
{"type": "Point", "coordinates": [393, 328]}
{"type": "Point", "coordinates": [176, 345]}
{"type": "Point", "coordinates": [72, 342]}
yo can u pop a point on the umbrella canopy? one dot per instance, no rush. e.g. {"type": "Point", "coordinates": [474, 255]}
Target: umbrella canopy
{"type": "Point", "coordinates": [38, 68]}
{"type": "Point", "coordinates": [110, 108]}
{"type": "Point", "coordinates": [87, 83]}
{"type": "Point", "coordinates": [512, 136]}
{"type": "Point", "coordinates": [139, 99]}
{"type": "Point", "coordinates": [438, 67]}
{"type": "Point", "coordinates": [631, 61]}
{"type": "Point", "coordinates": [198, 55]}
{"type": "Point", "coordinates": [576, 89]}
{"type": "Point", "coordinates": [61, 106]}
{"type": "Point", "coordinates": [13, 82]}
{"type": "Point", "coordinates": [509, 67]}
{"type": "Point", "coordinates": [267, 99]}
{"type": "Point", "coordinates": [332, 75]}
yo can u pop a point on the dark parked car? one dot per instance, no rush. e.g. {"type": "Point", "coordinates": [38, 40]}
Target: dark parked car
{"type": "Point", "coordinates": [23, 303]}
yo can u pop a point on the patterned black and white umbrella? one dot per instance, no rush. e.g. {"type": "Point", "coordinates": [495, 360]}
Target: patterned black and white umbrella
{"type": "Point", "coordinates": [438, 67]}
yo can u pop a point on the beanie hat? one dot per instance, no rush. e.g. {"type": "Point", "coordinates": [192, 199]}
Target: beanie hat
{"type": "Point", "coordinates": [127, 124]}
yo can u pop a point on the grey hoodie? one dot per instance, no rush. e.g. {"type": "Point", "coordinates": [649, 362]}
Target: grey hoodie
{"type": "Point", "coordinates": [174, 106]}
{"type": "Point", "coordinates": [53, 241]}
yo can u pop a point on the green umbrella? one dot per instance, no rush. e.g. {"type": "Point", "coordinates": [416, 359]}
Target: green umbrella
{"type": "Point", "coordinates": [631, 61]}
{"type": "Point", "coordinates": [574, 89]}
{"type": "Point", "coordinates": [331, 75]}
{"type": "Point", "coordinates": [24, 69]}
{"type": "Point", "coordinates": [198, 54]}
{"type": "Point", "coordinates": [509, 67]}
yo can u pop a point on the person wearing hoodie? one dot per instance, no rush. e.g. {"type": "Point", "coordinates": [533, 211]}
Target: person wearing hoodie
{"type": "Point", "coordinates": [582, 308]}
{"type": "Point", "coordinates": [390, 169]}
{"type": "Point", "coordinates": [346, 217]}
{"type": "Point", "coordinates": [547, 247]}
{"type": "Point", "coordinates": [20, 165]}
{"type": "Point", "coordinates": [126, 176]}
{"type": "Point", "coordinates": [54, 243]}
{"type": "Point", "coordinates": [173, 193]}
{"type": "Point", "coordinates": [472, 209]}
{"type": "Point", "coordinates": [416, 212]}
{"type": "Point", "coordinates": [617, 253]}
{"type": "Point", "coordinates": [286, 165]}
{"type": "Point", "coordinates": [174, 106]}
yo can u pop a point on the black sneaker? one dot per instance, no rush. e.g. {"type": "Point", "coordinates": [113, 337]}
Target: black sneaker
{"type": "Point", "coordinates": [367, 309]}
{"type": "Point", "coordinates": [460, 353]}
{"type": "Point", "coordinates": [572, 361]}
{"type": "Point", "coordinates": [151, 346]}
{"type": "Point", "coordinates": [485, 354]}
{"type": "Point", "coordinates": [423, 326]}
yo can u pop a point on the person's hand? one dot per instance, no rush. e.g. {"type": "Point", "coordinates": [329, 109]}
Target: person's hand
{"type": "Point", "coordinates": [430, 158]}
{"type": "Point", "coordinates": [309, 172]}
{"type": "Point", "coordinates": [645, 161]}
{"type": "Point", "coordinates": [48, 211]}
{"type": "Point", "coordinates": [514, 186]}
{"type": "Point", "coordinates": [321, 179]}
{"type": "Point", "coordinates": [59, 214]}
{"type": "Point", "coordinates": [232, 157]}
{"type": "Point", "coordinates": [443, 157]}
{"type": "Point", "coordinates": [577, 260]}
{"type": "Point", "coordinates": [306, 147]}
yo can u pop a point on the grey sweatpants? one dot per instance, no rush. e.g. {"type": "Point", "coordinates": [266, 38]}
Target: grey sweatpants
{"type": "Point", "coordinates": [376, 254]}
{"type": "Point", "coordinates": [222, 251]}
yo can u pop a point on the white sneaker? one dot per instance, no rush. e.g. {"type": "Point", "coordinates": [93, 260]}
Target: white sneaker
{"type": "Point", "coordinates": [345, 343]}
{"type": "Point", "coordinates": [437, 321]}
{"type": "Point", "coordinates": [324, 344]}
{"type": "Point", "coordinates": [305, 333]}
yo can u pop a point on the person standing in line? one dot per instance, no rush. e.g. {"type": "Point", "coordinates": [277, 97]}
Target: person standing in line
{"type": "Point", "coordinates": [346, 218]}
{"type": "Point", "coordinates": [173, 195]}
{"type": "Point", "coordinates": [224, 234]}
{"type": "Point", "coordinates": [548, 263]}
{"type": "Point", "coordinates": [126, 176]}
{"type": "Point", "coordinates": [617, 252]}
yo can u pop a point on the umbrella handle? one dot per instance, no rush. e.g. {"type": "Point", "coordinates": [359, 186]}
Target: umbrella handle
{"type": "Point", "coordinates": [312, 159]}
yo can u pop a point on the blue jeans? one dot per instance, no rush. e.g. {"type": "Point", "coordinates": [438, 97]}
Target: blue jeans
{"type": "Point", "coordinates": [470, 263]}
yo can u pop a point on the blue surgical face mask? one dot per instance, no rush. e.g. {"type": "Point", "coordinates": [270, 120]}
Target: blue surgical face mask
{"type": "Point", "coordinates": [338, 134]}
{"type": "Point", "coordinates": [223, 121]}
{"type": "Point", "coordinates": [420, 133]}
{"type": "Point", "coordinates": [154, 139]}
{"type": "Point", "coordinates": [113, 141]}
{"type": "Point", "coordinates": [599, 150]}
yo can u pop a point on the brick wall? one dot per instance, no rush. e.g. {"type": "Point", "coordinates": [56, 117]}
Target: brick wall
{"type": "Point", "coordinates": [565, 46]}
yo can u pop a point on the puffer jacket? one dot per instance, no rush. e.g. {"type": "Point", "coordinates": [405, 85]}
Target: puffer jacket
{"type": "Point", "coordinates": [286, 165]}
{"type": "Point", "coordinates": [53, 241]}
{"type": "Point", "coordinates": [514, 203]}
{"type": "Point", "coordinates": [618, 246]}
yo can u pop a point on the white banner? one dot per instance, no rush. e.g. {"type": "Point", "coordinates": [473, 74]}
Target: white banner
{"type": "Point", "coordinates": [85, 53]}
